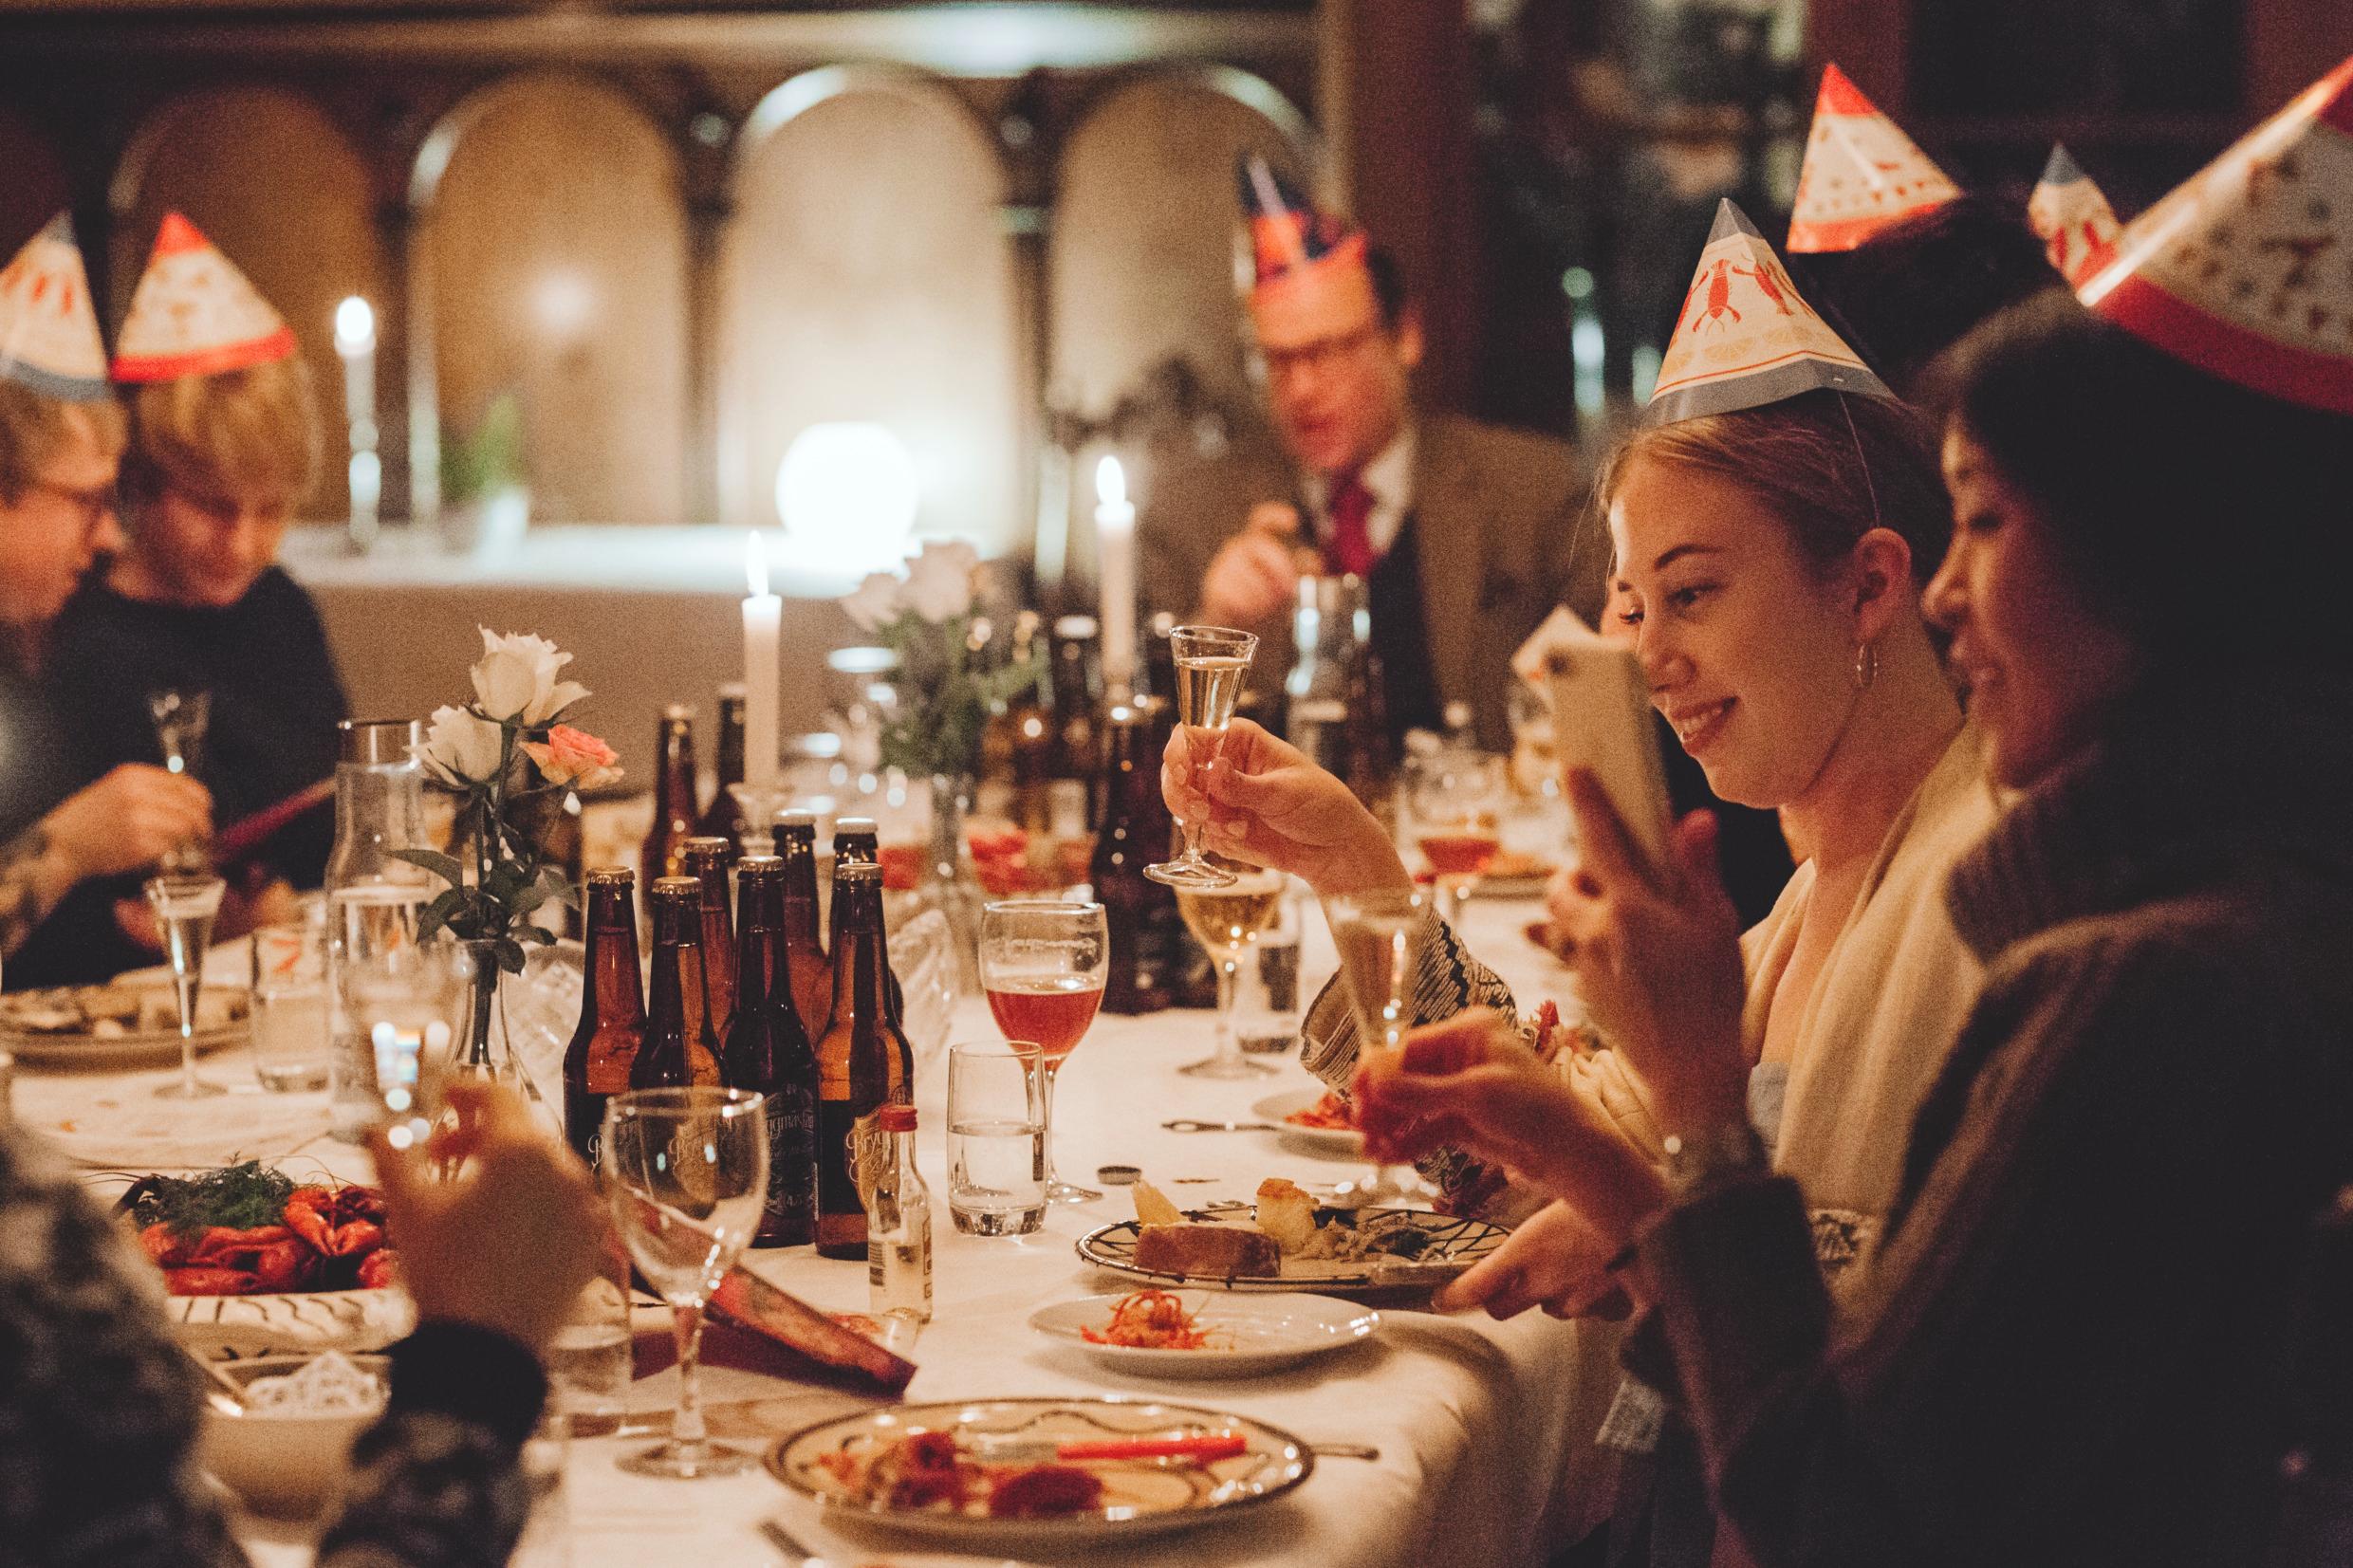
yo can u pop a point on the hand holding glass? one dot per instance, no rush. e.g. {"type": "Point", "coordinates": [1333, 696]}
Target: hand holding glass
{"type": "Point", "coordinates": [182, 718]}
{"type": "Point", "coordinates": [1212, 663]}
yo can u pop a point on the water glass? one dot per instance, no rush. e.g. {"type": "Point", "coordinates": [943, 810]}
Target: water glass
{"type": "Point", "coordinates": [290, 1052]}
{"type": "Point", "coordinates": [997, 1138]}
{"type": "Point", "coordinates": [590, 1358]}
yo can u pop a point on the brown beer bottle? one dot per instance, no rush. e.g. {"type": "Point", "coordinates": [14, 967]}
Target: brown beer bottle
{"type": "Point", "coordinates": [676, 1055]}
{"type": "Point", "coordinates": [707, 862]}
{"type": "Point", "coordinates": [1029, 727]}
{"type": "Point", "coordinates": [770, 1053]}
{"type": "Point", "coordinates": [1133, 834]}
{"type": "Point", "coordinates": [858, 842]}
{"type": "Point", "coordinates": [674, 798]}
{"type": "Point", "coordinates": [855, 1058]}
{"type": "Point", "coordinates": [722, 819]}
{"type": "Point", "coordinates": [1078, 709]}
{"type": "Point", "coordinates": [805, 950]}
{"type": "Point", "coordinates": [612, 1010]}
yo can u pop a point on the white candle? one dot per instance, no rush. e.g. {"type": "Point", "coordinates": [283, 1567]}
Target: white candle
{"type": "Point", "coordinates": [355, 344]}
{"type": "Point", "coordinates": [764, 614]}
{"type": "Point", "coordinates": [1115, 555]}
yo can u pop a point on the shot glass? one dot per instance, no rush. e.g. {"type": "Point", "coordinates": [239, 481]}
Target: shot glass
{"type": "Point", "coordinates": [997, 1138]}
{"type": "Point", "coordinates": [291, 1051]}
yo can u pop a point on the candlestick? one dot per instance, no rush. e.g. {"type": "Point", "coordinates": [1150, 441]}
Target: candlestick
{"type": "Point", "coordinates": [763, 617]}
{"type": "Point", "coordinates": [1114, 554]}
{"type": "Point", "coordinates": [355, 343]}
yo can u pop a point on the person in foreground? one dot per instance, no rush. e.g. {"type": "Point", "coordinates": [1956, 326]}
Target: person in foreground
{"type": "Point", "coordinates": [2065, 1348]}
{"type": "Point", "coordinates": [99, 1408]}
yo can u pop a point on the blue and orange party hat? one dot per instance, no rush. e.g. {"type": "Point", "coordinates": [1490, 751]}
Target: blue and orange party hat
{"type": "Point", "coordinates": [2072, 218]}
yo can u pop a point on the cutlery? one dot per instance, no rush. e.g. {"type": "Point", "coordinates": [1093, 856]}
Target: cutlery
{"type": "Point", "coordinates": [782, 1540]}
{"type": "Point", "coordinates": [991, 1448]}
{"type": "Point", "coordinates": [1186, 1124]}
{"type": "Point", "coordinates": [1343, 1451]}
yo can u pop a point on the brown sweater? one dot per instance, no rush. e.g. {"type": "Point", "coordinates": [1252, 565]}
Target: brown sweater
{"type": "Point", "coordinates": [2063, 1352]}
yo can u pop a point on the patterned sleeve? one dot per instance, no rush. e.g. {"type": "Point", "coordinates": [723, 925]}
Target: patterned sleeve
{"type": "Point", "coordinates": [21, 904]}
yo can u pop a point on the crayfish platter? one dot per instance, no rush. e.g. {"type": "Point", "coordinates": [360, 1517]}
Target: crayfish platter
{"type": "Point", "coordinates": [293, 1321]}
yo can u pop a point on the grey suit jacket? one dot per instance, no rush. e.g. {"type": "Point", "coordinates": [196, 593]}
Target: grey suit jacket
{"type": "Point", "coordinates": [1500, 519]}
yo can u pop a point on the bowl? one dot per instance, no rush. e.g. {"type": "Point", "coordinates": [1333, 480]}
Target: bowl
{"type": "Point", "coordinates": [286, 1466]}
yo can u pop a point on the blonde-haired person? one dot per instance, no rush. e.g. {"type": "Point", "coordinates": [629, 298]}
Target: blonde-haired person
{"type": "Point", "coordinates": [215, 467]}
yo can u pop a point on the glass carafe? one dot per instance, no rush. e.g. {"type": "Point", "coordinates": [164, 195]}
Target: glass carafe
{"type": "Point", "coordinates": [373, 897]}
{"type": "Point", "coordinates": [1328, 624]}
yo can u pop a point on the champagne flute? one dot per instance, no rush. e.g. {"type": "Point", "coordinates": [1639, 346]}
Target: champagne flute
{"type": "Point", "coordinates": [1227, 921]}
{"type": "Point", "coordinates": [1211, 664]}
{"type": "Point", "coordinates": [1376, 935]}
{"type": "Point", "coordinates": [1043, 963]}
{"type": "Point", "coordinates": [687, 1173]}
{"type": "Point", "coordinates": [185, 907]}
{"type": "Point", "coordinates": [1456, 798]}
{"type": "Point", "coordinates": [182, 718]}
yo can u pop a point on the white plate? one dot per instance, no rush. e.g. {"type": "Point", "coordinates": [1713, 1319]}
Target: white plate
{"type": "Point", "coordinates": [1247, 1334]}
{"type": "Point", "coordinates": [1140, 1497]}
{"type": "Point", "coordinates": [1453, 1246]}
{"type": "Point", "coordinates": [1339, 1140]}
{"type": "Point", "coordinates": [912, 1560]}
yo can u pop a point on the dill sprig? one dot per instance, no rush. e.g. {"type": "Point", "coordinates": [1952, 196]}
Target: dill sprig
{"type": "Point", "coordinates": [239, 1197]}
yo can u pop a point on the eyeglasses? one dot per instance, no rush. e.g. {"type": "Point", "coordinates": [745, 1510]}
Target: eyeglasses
{"type": "Point", "coordinates": [95, 504]}
{"type": "Point", "coordinates": [1320, 352]}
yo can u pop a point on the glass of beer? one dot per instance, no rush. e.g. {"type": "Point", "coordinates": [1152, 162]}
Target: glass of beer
{"type": "Point", "coordinates": [1227, 921]}
{"type": "Point", "coordinates": [1212, 663]}
{"type": "Point", "coordinates": [1043, 963]}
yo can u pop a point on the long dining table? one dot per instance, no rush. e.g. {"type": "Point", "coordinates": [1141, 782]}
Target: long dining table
{"type": "Point", "coordinates": [1482, 1430]}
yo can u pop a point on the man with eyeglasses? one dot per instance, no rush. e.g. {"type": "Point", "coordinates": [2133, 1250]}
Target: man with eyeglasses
{"type": "Point", "coordinates": [1466, 535]}
{"type": "Point", "coordinates": [61, 438]}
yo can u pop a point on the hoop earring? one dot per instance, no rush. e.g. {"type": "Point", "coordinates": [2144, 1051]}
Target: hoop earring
{"type": "Point", "coordinates": [1866, 665]}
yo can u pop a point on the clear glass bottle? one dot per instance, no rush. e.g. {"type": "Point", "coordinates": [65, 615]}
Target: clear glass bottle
{"type": "Point", "coordinates": [1324, 630]}
{"type": "Point", "coordinates": [373, 899]}
{"type": "Point", "coordinates": [899, 1228]}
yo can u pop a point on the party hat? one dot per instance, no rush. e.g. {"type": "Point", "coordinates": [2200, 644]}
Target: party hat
{"type": "Point", "coordinates": [1293, 246]}
{"type": "Point", "coordinates": [2244, 270]}
{"type": "Point", "coordinates": [1746, 337]}
{"type": "Point", "coordinates": [1861, 172]}
{"type": "Point", "coordinates": [2073, 220]}
{"type": "Point", "coordinates": [194, 314]}
{"type": "Point", "coordinates": [48, 331]}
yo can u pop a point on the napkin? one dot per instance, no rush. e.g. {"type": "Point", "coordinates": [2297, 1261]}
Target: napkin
{"type": "Point", "coordinates": [1601, 719]}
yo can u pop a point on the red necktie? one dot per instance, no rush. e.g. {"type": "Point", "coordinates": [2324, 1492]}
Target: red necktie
{"type": "Point", "coordinates": [1351, 547]}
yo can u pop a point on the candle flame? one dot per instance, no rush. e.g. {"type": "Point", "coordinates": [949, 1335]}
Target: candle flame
{"type": "Point", "coordinates": [755, 565]}
{"type": "Point", "coordinates": [1110, 483]}
{"type": "Point", "coordinates": [355, 325]}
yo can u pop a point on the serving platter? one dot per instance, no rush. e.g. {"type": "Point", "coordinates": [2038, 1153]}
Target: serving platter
{"type": "Point", "coordinates": [1277, 1109]}
{"type": "Point", "coordinates": [1246, 1335]}
{"type": "Point", "coordinates": [112, 1044]}
{"type": "Point", "coordinates": [290, 1320]}
{"type": "Point", "coordinates": [1452, 1244]}
{"type": "Point", "coordinates": [1139, 1495]}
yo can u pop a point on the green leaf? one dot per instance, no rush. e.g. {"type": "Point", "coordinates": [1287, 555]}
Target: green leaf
{"type": "Point", "coordinates": [440, 865]}
{"type": "Point", "coordinates": [509, 954]}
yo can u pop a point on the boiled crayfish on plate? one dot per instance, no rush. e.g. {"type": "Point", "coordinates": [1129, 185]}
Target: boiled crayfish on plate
{"type": "Point", "coordinates": [201, 1233]}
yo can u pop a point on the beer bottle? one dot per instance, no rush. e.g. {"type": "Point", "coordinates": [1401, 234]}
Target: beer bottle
{"type": "Point", "coordinates": [722, 819]}
{"type": "Point", "coordinates": [676, 1055]}
{"type": "Point", "coordinates": [1029, 727]}
{"type": "Point", "coordinates": [805, 950]}
{"type": "Point", "coordinates": [1078, 704]}
{"type": "Point", "coordinates": [1134, 833]}
{"type": "Point", "coordinates": [706, 862]}
{"type": "Point", "coordinates": [857, 841]}
{"type": "Point", "coordinates": [612, 1010]}
{"type": "Point", "coordinates": [674, 798]}
{"type": "Point", "coordinates": [856, 1058]}
{"type": "Point", "coordinates": [770, 1053]}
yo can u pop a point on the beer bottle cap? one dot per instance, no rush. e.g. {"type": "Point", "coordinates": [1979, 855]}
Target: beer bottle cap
{"type": "Point", "coordinates": [612, 876]}
{"type": "Point", "coordinates": [753, 867]}
{"type": "Point", "coordinates": [677, 887]}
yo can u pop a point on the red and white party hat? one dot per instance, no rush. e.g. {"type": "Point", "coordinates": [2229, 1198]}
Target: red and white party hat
{"type": "Point", "coordinates": [49, 330]}
{"type": "Point", "coordinates": [2247, 270]}
{"type": "Point", "coordinates": [194, 314]}
{"type": "Point", "coordinates": [1294, 248]}
{"type": "Point", "coordinates": [2073, 220]}
{"type": "Point", "coordinates": [1746, 337]}
{"type": "Point", "coordinates": [1861, 172]}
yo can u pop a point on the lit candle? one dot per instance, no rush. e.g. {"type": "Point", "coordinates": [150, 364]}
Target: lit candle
{"type": "Point", "coordinates": [355, 344]}
{"type": "Point", "coordinates": [763, 616]}
{"type": "Point", "coordinates": [1115, 555]}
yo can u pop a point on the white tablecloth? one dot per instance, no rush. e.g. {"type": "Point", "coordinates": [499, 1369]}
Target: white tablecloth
{"type": "Point", "coordinates": [1484, 1435]}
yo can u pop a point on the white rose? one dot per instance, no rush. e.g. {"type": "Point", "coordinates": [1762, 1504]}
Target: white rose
{"type": "Point", "coordinates": [874, 602]}
{"type": "Point", "coordinates": [460, 748]}
{"type": "Point", "coordinates": [939, 580]}
{"type": "Point", "coordinates": [515, 679]}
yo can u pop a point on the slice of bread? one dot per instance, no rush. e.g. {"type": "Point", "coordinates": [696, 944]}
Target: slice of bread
{"type": "Point", "coordinates": [1208, 1251]}
{"type": "Point", "coordinates": [1286, 1214]}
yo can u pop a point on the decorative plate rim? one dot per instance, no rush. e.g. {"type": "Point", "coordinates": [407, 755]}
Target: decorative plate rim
{"type": "Point", "coordinates": [1336, 1138]}
{"type": "Point", "coordinates": [1473, 1232]}
{"type": "Point", "coordinates": [1361, 1324]}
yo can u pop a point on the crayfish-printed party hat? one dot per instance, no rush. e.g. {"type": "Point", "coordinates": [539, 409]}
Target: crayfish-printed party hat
{"type": "Point", "coordinates": [2073, 220]}
{"type": "Point", "coordinates": [194, 314]}
{"type": "Point", "coordinates": [1861, 172]}
{"type": "Point", "coordinates": [1746, 337]}
{"type": "Point", "coordinates": [48, 328]}
{"type": "Point", "coordinates": [2247, 270]}
{"type": "Point", "coordinates": [1294, 248]}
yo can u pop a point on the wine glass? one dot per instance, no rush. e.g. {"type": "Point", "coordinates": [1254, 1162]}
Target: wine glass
{"type": "Point", "coordinates": [1377, 935]}
{"type": "Point", "coordinates": [1211, 664]}
{"type": "Point", "coordinates": [687, 1173]}
{"type": "Point", "coordinates": [185, 906]}
{"type": "Point", "coordinates": [1227, 921]}
{"type": "Point", "coordinates": [1043, 962]}
{"type": "Point", "coordinates": [403, 1001]}
{"type": "Point", "coordinates": [1456, 798]}
{"type": "Point", "coordinates": [182, 718]}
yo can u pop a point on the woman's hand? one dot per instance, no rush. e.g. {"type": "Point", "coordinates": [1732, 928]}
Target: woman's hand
{"type": "Point", "coordinates": [509, 1239]}
{"type": "Point", "coordinates": [1266, 804]}
{"type": "Point", "coordinates": [128, 819]}
{"type": "Point", "coordinates": [1656, 952]}
{"type": "Point", "coordinates": [1554, 1260]}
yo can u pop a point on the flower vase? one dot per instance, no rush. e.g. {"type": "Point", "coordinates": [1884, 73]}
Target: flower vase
{"type": "Point", "coordinates": [481, 1050]}
{"type": "Point", "coordinates": [949, 884]}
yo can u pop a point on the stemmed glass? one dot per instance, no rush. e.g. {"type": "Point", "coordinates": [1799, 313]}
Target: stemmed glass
{"type": "Point", "coordinates": [1456, 798]}
{"type": "Point", "coordinates": [185, 907]}
{"type": "Point", "coordinates": [404, 1001]}
{"type": "Point", "coordinates": [1376, 934]}
{"type": "Point", "coordinates": [1211, 664]}
{"type": "Point", "coordinates": [1227, 921]}
{"type": "Point", "coordinates": [183, 719]}
{"type": "Point", "coordinates": [687, 1173]}
{"type": "Point", "coordinates": [1043, 962]}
